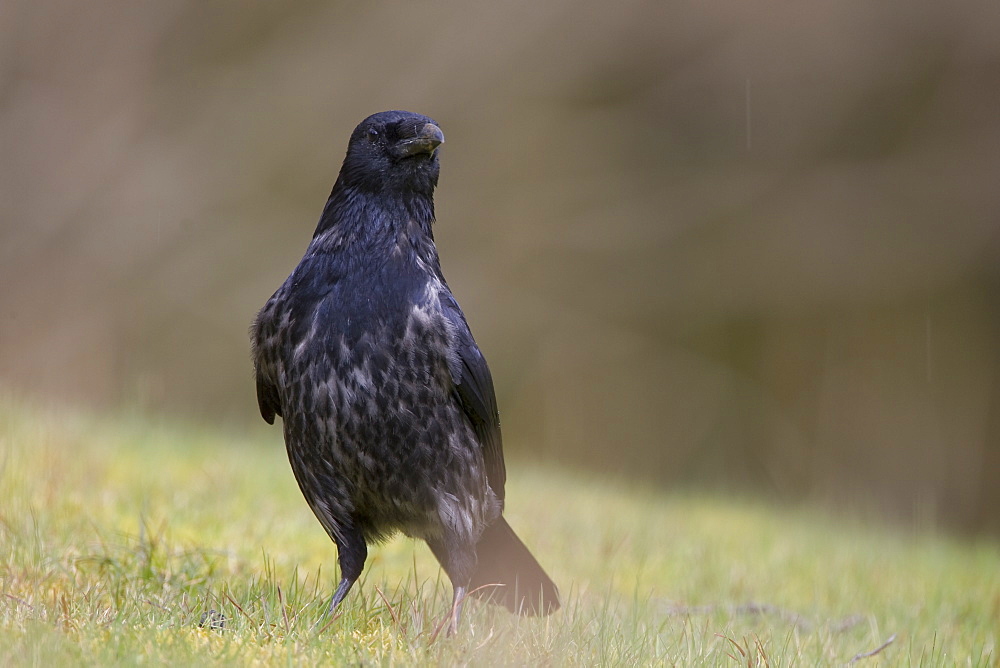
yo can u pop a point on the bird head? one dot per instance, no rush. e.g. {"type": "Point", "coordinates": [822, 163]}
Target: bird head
{"type": "Point", "coordinates": [393, 151]}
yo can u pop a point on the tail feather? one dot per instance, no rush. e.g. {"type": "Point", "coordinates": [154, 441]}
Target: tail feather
{"type": "Point", "coordinates": [503, 560]}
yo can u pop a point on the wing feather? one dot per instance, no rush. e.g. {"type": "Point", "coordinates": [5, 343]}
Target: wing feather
{"type": "Point", "coordinates": [474, 389]}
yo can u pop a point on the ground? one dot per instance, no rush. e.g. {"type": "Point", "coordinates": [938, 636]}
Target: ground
{"type": "Point", "coordinates": [128, 539]}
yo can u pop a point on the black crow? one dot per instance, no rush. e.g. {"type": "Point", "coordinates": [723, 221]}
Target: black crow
{"type": "Point", "coordinates": [390, 418]}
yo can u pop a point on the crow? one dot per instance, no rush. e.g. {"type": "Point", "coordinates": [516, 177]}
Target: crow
{"type": "Point", "coordinates": [388, 409]}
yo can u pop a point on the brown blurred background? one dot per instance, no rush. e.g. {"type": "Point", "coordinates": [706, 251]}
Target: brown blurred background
{"type": "Point", "coordinates": [739, 245]}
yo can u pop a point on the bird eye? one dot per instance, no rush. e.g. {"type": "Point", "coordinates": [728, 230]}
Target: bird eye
{"type": "Point", "coordinates": [372, 134]}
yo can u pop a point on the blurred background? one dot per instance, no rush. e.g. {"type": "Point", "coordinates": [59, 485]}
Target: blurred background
{"type": "Point", "coordinates": [726, 245]}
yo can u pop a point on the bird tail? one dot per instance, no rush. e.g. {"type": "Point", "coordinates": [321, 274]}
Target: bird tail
{"type": "Point", "coordinates": [524, 588]}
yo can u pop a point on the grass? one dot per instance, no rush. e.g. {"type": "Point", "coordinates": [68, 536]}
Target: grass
{"type": "Point", "coordinates": [119, 537]}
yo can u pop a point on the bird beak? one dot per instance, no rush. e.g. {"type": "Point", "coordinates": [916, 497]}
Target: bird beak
{"type": "Point", "coordinates": [426, 141]}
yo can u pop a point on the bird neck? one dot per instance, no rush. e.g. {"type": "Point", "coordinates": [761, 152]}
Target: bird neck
{"type": "Point", "coordinates": [362, 219]}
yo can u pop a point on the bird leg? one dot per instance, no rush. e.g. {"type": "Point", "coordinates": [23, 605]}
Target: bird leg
{"type": "Point", "coordinates": [456, 610]}
{"type": "Point", "coordinates": [351, 552]}
{"type": "Point", "coordinates": [459, 561]}
{"type": "Point", "coordinates": [338, 596]}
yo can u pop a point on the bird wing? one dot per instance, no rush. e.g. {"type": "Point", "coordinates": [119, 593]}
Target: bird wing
{"type": "Point", "coordinates": [267, 398]}
{"type": "Point", "coordinates": [474, 389]}
{"type": "Point", "coordinates": [267, 391]}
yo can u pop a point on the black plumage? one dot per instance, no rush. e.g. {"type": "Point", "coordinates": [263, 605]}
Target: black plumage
{"type": "Point", "coordinates": [390, 418]}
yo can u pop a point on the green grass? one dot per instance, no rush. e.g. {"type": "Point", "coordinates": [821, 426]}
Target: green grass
{"type": "Point", "coordinates": [116, 537]}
